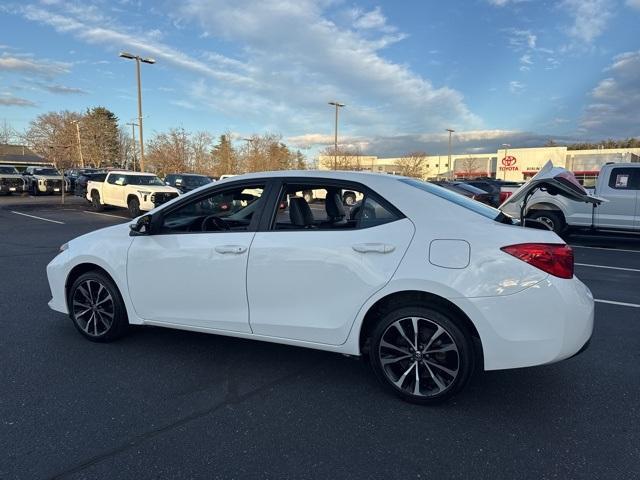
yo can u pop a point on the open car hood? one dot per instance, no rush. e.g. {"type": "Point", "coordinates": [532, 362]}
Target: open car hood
{"type": "Point", "coordinates": [555, 181]}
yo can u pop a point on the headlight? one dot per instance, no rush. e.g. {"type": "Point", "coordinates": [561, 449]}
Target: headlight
{"type": "Point", "coordinates": [64, 246]}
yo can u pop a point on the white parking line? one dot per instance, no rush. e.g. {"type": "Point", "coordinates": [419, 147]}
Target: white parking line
{"type": "Point", "coordinates": [622, 304]}
{"type": "Point", "coordinates": [38, 218]}
{"type": "Point", "coordinates": [604, 248]}
{"type": "Point", "coordinates": [606, 266]}
{"type": "Point", "coordinates": [105, 214]}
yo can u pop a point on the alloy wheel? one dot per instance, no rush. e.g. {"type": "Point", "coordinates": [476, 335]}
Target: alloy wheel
{"type": "Point", "coordinates": [419, 356]}
{"type": "Point", "coordinates": [93, 308]}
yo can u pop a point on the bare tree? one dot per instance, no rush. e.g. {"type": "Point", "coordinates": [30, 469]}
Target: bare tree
{"type": "Point", "coordinates": [343, 159]}
{"type": "Point", "coordinates": [200, 146]}
{"type": "Point", "coordinates": [8, 134]}
{"type": "Point", "coordinates": [469, 166]}
{"type": "Point", "coordinates": [413, 165]}
{"type": "Point", "coordinates": [168, 152]}
{"type": "Point", "coordinates": [53, 135]}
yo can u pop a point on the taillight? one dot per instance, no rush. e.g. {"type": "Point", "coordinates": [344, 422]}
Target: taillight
{"type": "Point", "coordinates": [555, 259]}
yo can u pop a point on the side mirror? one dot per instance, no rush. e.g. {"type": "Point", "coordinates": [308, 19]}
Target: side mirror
{"type": "Point", "coordinates": [141, 227]}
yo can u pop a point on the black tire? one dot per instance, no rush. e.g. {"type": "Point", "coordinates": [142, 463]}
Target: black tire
{"type": "Point", "coordinates": [34, 189]}
{"type": "Point", "coordinates": [552, 219]}
{"type": "Point", "coordinates": [349, 199]}
{"type": "Point", "coordinates": [95, 201]}
{"type": "Point", "coordinates": [133, 204]}
{"type": "Point", "coordinates": [434, 383]}
{"type": "Point", "coordinates": [92, 298]}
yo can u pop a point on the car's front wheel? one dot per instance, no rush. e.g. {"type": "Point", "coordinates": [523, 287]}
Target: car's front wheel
{"type": "Point", "coordinates": [134, 207]}
{"type": "Point", "coordinates": [95, 202]}
{"type": "Point", "coordinates": [421, 354]}
{"type": "Point", "coordinates": [96, 308]}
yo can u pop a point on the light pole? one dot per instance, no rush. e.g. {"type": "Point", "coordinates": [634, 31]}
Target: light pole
{"type": "Point", "coordinates": [133, 142]}
{"type": "Point", "coordinates": [450, 130]}
{"type": "Point", "coordinates": [335, 138]}
{"type": "Point", "coordinates": [79, 142]}
{"type": "Point", "coordinates": [506, 153]}
{"type": "Point", "coordinates": [151, 61]}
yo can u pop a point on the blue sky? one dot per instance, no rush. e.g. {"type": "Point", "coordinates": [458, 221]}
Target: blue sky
{"type": "Point", "coordinates": [516, 71]}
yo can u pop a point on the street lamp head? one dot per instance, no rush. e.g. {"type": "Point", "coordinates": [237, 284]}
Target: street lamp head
{"type": "Point", "coordinates": [148, 60]}
{"type": "Point", "coordinates": [337, 104]}
{"type": "Point", "coordinates": [506, 145]}
{"type": "Point", "coordinates": [128, 55]}
{"type": "Point", "coordinates": [450, 130]}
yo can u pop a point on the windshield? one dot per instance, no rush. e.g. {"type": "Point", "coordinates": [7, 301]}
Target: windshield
{"type": "Point", "coordinates": [8, 170]}
{"type": "Point", "coordinates": [45, 171]}
{"type": "Point", "coordinates": [453, 197]}
{"type": "Point", "coordinates": [144, 180]}
{"type": "Point", "coordinates": [195, 180]}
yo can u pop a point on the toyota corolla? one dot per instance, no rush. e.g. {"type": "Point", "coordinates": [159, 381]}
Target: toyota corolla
{"type": "Point", "coordinates": [428, 284]}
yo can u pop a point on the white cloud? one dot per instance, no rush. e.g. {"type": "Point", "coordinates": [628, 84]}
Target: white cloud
{"type": "Point", "coordinates": [29, 65]}
{"type": "Point", "coordinates": [300, 60]}
{"type": "Point", "coordinates": [516, 87]}
{"type": "Point", "coordinates": [521, 39]}
{"type": "Point", "coordinates": [8, 100]}
{"type": "Point", "coordinates": [590, 18]}
{"type": "Point", "coordinates": [371, 19]}
{"type": "Point", "coordinates": [615, 102]}
{"type": "Point", "coordinates": [634, 4]}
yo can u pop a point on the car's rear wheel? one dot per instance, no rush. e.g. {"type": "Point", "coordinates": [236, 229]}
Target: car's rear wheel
{"type": "Point", "coordinates": [421, 354]}
{"type": "Point", "coordinates": [551, 219]}
{"type": "Point", "coordinates": [134, 207]}
{"type": "Point", "coordinates": [96, 308]}
{"type": "Point", "coordinates": [95, 201]}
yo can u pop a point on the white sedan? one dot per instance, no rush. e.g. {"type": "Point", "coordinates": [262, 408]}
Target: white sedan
{"type": "Point", "coordinates": [426, 283]}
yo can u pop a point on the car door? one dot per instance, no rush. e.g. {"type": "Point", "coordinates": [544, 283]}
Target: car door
{"type": "Point", "coordinates": [112, 187]}
{"type": "Point", "coordinates": [191, 269]}
{"type": "Point", "coordinates": [312, 267]}
{"type": "Point", "coordinates": [621, 191]}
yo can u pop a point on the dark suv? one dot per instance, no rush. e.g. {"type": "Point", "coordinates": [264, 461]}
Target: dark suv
{"type": "Point", "coordinates": [185, 182]}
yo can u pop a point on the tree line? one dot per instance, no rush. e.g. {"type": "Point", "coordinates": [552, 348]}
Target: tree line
{"type": "Point", "coordinates": [95, 138]}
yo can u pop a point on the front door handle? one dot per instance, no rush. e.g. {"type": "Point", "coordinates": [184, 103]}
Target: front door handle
{"type": "Point", "coordinates": [373, 247]}
{"type": "Point", "coordinates": [237, 249]}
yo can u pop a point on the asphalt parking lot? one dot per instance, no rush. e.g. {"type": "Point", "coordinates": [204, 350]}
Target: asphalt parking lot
{"type": "Point", "coordinates": [171, 404]}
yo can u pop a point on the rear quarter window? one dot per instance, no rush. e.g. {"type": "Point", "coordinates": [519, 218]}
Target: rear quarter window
{"type": "Point", "coordinates": [457, 199]}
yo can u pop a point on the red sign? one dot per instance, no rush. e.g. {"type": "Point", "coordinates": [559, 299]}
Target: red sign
{"type": "Point", "coordinates": [509, 164]}
{"type": "Point", "coordinates": [509, 161]}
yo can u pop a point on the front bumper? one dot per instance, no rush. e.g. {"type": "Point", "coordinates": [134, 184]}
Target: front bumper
{"type": "Point", "coordinates": [12, 188]}
{"type": "Point", "coordinates": [546, 323]}
{"type": "Point", "coordinates": [57, 276]}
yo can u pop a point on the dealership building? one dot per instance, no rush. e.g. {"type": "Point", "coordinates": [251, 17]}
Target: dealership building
{"type": "Point", "coordinates": [512, 164]}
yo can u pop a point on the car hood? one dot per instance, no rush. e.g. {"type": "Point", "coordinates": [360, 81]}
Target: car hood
{"type": "Point", "coordinates": [47, 177]}
{"type": "Point", "coordinates": [11, 175]}
{"type": "Point", "coordinates": [556, 181]}
{"type": "Point", "coordinates": [154, 188]}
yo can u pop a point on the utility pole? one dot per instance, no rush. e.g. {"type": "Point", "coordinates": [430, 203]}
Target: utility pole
{"type": "Point", "coordinates": [133, 143]}
{"type": "Point", "coordinates": [450, 130]}
{"type": "Point", "coordinates": [335, 138]}
{"type": "Point", "coordinates": [150, 61]}
{"type": "Point", "coordinates": [79, 143]}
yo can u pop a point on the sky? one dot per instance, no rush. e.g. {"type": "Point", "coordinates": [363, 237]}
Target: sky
{"type": "Point", "coordinates": [496, 71]}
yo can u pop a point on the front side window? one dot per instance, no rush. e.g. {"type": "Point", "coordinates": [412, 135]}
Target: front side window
{"type": "Point", "coordinates": [8, 170]}
{"type": "Point", "coordinates": [320, 207]}
{"type": "Point", "coordinates": [228, 210]}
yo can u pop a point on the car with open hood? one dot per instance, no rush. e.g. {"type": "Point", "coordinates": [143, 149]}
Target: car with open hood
{"type": "Point", "coordinates": [555, 197]}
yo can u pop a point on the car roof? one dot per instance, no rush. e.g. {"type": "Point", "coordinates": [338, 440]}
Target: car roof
{"type": "Point", "coordinates": [361, 177]}
{"type": "Point", "coordinates": [127, 172]}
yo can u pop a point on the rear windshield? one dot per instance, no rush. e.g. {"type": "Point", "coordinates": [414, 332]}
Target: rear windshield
{"type": "Point", "coordinates": [453, 197]}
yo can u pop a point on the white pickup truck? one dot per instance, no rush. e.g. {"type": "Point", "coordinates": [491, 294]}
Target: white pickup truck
{"type": "Point", "coordinates": [614, 203]}
{"type": "Point", "coordinates": [135, 191]}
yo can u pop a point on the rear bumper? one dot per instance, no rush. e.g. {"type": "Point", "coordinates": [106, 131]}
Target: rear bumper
{"type": "Point", "coordinates": [546, 323]}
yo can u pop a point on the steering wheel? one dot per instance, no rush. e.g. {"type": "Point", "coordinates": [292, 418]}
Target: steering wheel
{"type": "Point", "coordinates": [214, 221]}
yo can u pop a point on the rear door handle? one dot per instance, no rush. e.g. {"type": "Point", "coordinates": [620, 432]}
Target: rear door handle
{"type": "Point", "coordinates": [373, 248]}
{"type": "Point", "coordinates": [237, 249]}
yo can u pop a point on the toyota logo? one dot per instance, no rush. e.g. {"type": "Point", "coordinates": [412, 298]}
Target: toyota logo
{"type": "Point", "coordinates": [509, 161]}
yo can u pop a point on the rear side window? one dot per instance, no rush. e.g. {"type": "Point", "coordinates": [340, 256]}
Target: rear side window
{"type": "Point", "coordinates": [460, 200]}
{"type": "Point", "coordinates": [625, 179]}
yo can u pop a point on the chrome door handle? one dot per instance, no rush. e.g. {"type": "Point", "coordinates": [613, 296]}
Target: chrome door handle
{"type": "Point", "coordinates": [237, 249]}
{"type": "Point", "coordinates": [373, 247]}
